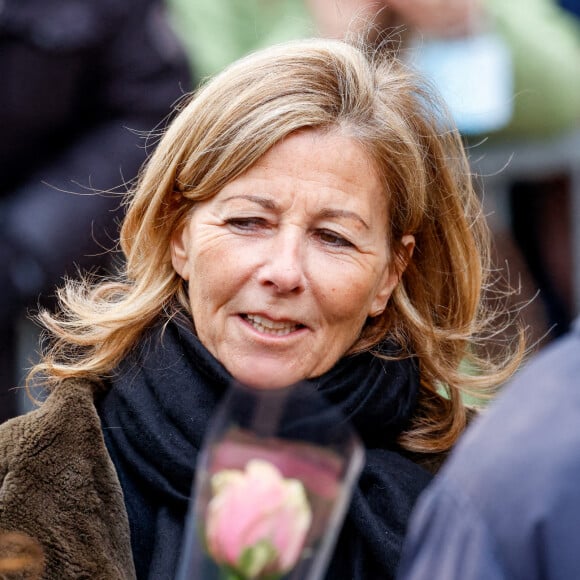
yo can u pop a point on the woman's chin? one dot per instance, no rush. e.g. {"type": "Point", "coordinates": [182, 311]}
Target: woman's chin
{"type": "Point", "coordinates": [266, 375]}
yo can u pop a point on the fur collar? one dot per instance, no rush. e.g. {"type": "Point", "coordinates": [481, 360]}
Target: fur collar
{"type": "Point", "coordinates": [59, 487]}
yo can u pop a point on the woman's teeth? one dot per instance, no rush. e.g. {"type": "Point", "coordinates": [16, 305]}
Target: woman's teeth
{"type": "Point", "coordinates": [270, 326]}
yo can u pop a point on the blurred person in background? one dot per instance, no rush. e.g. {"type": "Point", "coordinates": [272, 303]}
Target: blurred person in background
{"type": "Point", "coordinates": [506, 506]}
{"type": "Point", "coordinates": [542, 209]}
{"type": "Point", "coordinates": [546, 76]}
{"type": "Point", "coordinates": [81, 82]}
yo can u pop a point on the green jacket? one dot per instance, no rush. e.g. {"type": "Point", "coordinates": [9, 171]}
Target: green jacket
{"type": "Point", "coordinates": [543, 38]}
{"type": "Point", "coordinates": [545, 43]}
{"type": "Point", "coordinates": [218, 32]}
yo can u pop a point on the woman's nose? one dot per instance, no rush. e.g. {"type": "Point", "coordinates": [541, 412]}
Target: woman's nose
{"type": "Point", "coordinates": [283, 268]}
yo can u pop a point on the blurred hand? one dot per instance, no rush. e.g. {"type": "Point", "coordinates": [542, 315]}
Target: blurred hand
{"type": "Point", "coordinates": [20, 556]}
{"type": "Point", "coordinates": [438, 17]}
{"type": "Point", "coordinates": [430, 17]}
{"type": "Point", "coordinates": [335, 18]}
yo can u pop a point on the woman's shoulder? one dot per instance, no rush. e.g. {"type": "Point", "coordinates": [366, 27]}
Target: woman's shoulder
{"type": "Point", "coordinates": [53, 461]}
{"type": "Point", "coordinates": [66, 409]}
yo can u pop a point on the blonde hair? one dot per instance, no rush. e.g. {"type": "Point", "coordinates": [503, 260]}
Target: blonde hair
{"type": "Point", "coordinates": [436, 313]}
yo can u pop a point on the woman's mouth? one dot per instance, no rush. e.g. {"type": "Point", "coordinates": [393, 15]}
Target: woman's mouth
{"type": "Point", "coordinates": [267, 326]}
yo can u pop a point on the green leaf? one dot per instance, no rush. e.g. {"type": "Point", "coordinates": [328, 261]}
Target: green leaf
{"type": "Point", "coordinates": [255, 558]}
{"type": "Point", "coordinates": [227, 573]}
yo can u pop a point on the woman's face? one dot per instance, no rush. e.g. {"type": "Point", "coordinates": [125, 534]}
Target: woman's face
{"type": "Point", "coordinates": [287, 261]}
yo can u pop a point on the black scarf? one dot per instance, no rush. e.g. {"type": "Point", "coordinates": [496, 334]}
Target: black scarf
{"type": "Point", "coordinates": [154, 418]}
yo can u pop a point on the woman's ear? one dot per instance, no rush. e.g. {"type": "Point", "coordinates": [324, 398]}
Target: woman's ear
{"type": "Point", "coordinates": [408, 242]}
{"type": "Point", "coordinates": [391, 278]}
{"type": "Point", "coordinates": [179, 246]}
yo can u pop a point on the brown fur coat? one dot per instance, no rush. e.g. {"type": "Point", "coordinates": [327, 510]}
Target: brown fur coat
{"type": "Point", "coordinates": [58, 486]}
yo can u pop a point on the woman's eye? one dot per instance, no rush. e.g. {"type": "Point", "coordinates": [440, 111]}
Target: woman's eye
{"type": "Point", "coordinates": [246, 223]}
{"type": "Point", "coordinates": [333, 239]}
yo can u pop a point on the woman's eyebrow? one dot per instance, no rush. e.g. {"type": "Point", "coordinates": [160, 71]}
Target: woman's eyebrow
{"type": "Point", "coordinates": [265, 202]}
{"type": "Point", "coordinates": [343, 213]}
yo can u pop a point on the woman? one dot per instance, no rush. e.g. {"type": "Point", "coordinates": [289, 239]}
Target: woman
{"type": "Point", "coordinates": [307, 215]}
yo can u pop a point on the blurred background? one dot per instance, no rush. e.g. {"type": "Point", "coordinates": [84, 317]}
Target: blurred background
{"type": "Point", "coordinates": [86, 84]}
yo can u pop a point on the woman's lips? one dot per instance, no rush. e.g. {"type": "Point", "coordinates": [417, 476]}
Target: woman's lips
{"type": "Point", "coordinates": [269, 326]}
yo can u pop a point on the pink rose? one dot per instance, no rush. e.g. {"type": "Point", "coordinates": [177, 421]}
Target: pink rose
{"type": "Point", "coordinates": [317, 468]}
{"type": "Point", "coordinates": [257, 520]}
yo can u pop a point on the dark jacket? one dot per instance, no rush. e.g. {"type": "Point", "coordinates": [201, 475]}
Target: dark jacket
{"type": "Point", "coordinates": [79, 79]}
{"type": "Point", "coordinates": [507, 503]}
